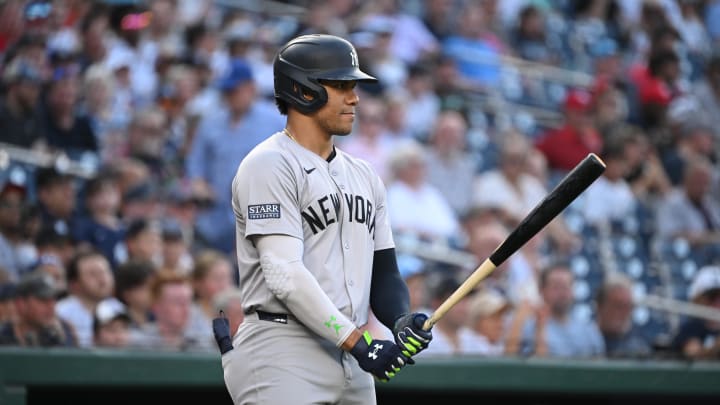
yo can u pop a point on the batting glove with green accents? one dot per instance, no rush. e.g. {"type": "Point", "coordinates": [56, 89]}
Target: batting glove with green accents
{"type": "Point", "coordinates": [381, 358]}
{"type": "Point", "coordinates": [410, 335]}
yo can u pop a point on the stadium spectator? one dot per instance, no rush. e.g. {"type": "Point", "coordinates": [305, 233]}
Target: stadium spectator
{"type": "Point", "coordinates": [529, 40]}
{"type": "Point", "coordinates": [451, 335]}
{"type": "Point", "coordinates": [171, 327]}
{"type": "Point", "coordinates": [12, 198]}
{"type": "Point", "coordinates": [48, 242]}
{"type": "Point", "coordinates": [411, 41]}
{"type": "Point", "coordinates": [416, 207]}
{"type": "Point", "coordinates": [141, 200]}
{"type": "Point", "coordinates": [21, 123]}
{"type": "Point", "coordinates": [143, 241]}
{"type": "Point", "coordinates": [423, 101]}
{"type": "Point", "coordinates": [475, 49]}
{"type": "Point", "coordinates": [111, 325]}
{"type": "Point", "coordinates": [566, 335]}
{"type": "Point", "coordinates": [706, 93]}
{"type": "Point", "coordinates": [488, 310]}
{"type": "Point", "coordinates": [182, 204]}
{"type": "Point", "coordinates": [93, 29]}
{"type": "Point", "coordinates": [132, 287]}
{"type": "Point", "coordinates": [514, 192]}
{"type": "Point", "coordinates": [416, 273]}
{"type": "Point", "coordinates": [67, 129]}
{"type": "Point", "coordinates": [610, 198]}
{"type": "Point", "coordinates": [36, 324]}
{"type": "Point", "coordinates": [516, 278]}
{"type": "Point", "coordinates": [221, 142]}
{"type": "Point", "coordinates": [101, 227]}
{"type": "Point", "coordinates": [52, 265]}
{"type": "Point", "coordinates": [690, 211]}
{"type": "Point", "coordinates": [147, 141]}
{"type": "Point", "coordinates": [614, 309]}
{"type": "Point", "coordinates": [699, 339]}
{"type": "Point", "coordinates": [646, 174]}
{"type": "Point", "coordinates": [177, 257]}
{"type": "Point", "coordinates": [450, 168]}
{"type": "Point", "coordinates": [566, 146]}
{"type": "Point", "coordinates": [211, 275]}
{"type": "Point", "coordinates": [57, 197]}
{"type": "Point", "coordinates": [90, 280]}
{"type": "Point", "coordinates": [694, 141]}
{"type": "Point", "coordinates": [369, 140]}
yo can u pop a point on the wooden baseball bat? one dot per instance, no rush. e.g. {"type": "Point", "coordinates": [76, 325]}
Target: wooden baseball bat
{"type": "Point", "coordinates": [574, 183]}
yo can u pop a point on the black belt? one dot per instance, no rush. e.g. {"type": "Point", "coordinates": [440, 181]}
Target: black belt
{"type": "Point", "coordinates": [271, 317]}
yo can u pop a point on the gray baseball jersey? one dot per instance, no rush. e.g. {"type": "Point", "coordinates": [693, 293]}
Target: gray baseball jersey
{"type": "Point", "coordinates": [337, 208]}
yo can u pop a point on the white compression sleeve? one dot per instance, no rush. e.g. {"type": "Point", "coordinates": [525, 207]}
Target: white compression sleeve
{"type": "Point", "coordinates": [291, 282]}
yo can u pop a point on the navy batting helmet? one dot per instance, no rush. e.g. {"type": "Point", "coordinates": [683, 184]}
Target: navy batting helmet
{"type": "Point", "coordinates": [309, 58]}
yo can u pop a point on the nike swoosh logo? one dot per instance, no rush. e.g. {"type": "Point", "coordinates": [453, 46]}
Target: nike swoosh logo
{"type": "Point", "coordinates": [308, 171]}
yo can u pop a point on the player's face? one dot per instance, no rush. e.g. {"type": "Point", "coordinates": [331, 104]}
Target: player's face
{"type": "Point", "coordinates": [337, 115]}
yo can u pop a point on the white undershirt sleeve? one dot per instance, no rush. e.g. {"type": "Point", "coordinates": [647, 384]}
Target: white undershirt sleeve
{"type": "Point", "coordinates": [293, 284]}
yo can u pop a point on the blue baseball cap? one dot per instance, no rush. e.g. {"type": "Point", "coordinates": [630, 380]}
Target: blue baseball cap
{"type": "Point", "coordinates": [238, 73]}
{"type": "Point", "coordinates": [603, 48]}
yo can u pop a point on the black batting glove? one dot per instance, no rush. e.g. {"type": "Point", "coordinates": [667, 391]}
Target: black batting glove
{"type": "Point", "coordinates": [221, 331]}
{"type": "Point", "coordinates": [381, 358]}
{"type": "Point", "coordinates": [410, 335]}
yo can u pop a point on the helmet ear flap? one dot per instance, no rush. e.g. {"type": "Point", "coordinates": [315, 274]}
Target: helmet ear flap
{"type": "Point", "coordinates": [306, 99]}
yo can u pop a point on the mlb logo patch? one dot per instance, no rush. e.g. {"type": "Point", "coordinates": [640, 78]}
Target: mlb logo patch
{"type": "Point", "coordinates": [263, 211]}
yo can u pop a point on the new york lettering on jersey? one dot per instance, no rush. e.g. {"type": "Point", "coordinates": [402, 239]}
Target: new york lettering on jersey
{"type": "Point", "coordinates": [326, 210]}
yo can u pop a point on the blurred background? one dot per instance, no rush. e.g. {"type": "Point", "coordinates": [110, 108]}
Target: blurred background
{"type": "Point", "coordinates": [122, 124]}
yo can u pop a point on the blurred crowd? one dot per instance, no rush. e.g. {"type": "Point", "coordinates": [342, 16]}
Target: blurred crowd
{"type": "Point", "coordinates": [481, 108]}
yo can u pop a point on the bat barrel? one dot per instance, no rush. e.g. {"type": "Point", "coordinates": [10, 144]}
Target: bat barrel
{"type": "Point", "coordinates": [574, 183]}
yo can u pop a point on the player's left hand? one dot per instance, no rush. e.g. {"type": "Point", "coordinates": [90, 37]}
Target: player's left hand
{"type": "Point", "coordinates": [221, 331]}
{"type": "Point", "coordinates": [410, 335]}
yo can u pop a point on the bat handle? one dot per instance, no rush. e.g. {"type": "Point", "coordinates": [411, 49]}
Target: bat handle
{"type": "Point", "coordinates": [429, 322]}
{"type": "Point", "coordinates": [468, 285]}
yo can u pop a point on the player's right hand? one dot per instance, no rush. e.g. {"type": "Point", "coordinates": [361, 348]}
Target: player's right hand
{"type": "Point", "coordinates": [381, 358]}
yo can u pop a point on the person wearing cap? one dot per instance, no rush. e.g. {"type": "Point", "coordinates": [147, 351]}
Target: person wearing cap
{"type": "Point", "coordinates": [21, 124]}
{"type": "Point", "coordinates": [57, 198]}
{"type": "Point", "coordinates": [488, 309]}
{"type": "Point", "coordinates": [67, 129]}
{"type": "Point", "coordinates": [565, 146]}
{"type": "Point", "coordinates": [141, 201]}
{"type": "Point", "coordinates": [143, 241]}
{"type": "Point", "coordinates": [111, 324]}
{"type": "Point", "coordinates": [223, 138]}
{"type": "Point", "coordinates": [36, 323]}
{"type": "Point", "coordinates": [177, 257]}
{"type": "Point", "coordinates": [699, 339]}
{"type": "Point", "coordinates": [451, 334]}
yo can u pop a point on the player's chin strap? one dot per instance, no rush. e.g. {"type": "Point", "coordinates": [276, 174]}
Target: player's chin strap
{"type": "Point", "coordinates": [221, 330]}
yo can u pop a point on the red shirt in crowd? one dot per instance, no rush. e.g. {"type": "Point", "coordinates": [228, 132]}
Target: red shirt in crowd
{"type": "Point", "coordinates": [566, 146]}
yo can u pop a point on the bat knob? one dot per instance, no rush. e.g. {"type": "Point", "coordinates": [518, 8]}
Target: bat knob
{"type": "Point", "coordinates": [419, 320]}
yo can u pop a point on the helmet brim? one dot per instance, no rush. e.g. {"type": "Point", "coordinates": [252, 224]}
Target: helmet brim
{"type": "Point", "coordinates": [346, 74]}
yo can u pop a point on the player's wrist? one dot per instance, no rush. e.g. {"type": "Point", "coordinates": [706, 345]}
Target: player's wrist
{"type": "Point", "coordinates": [352, 340]}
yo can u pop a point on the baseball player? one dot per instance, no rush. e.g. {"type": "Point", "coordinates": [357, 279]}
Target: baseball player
{"type": "Point", "coordinates": [315, 250]}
